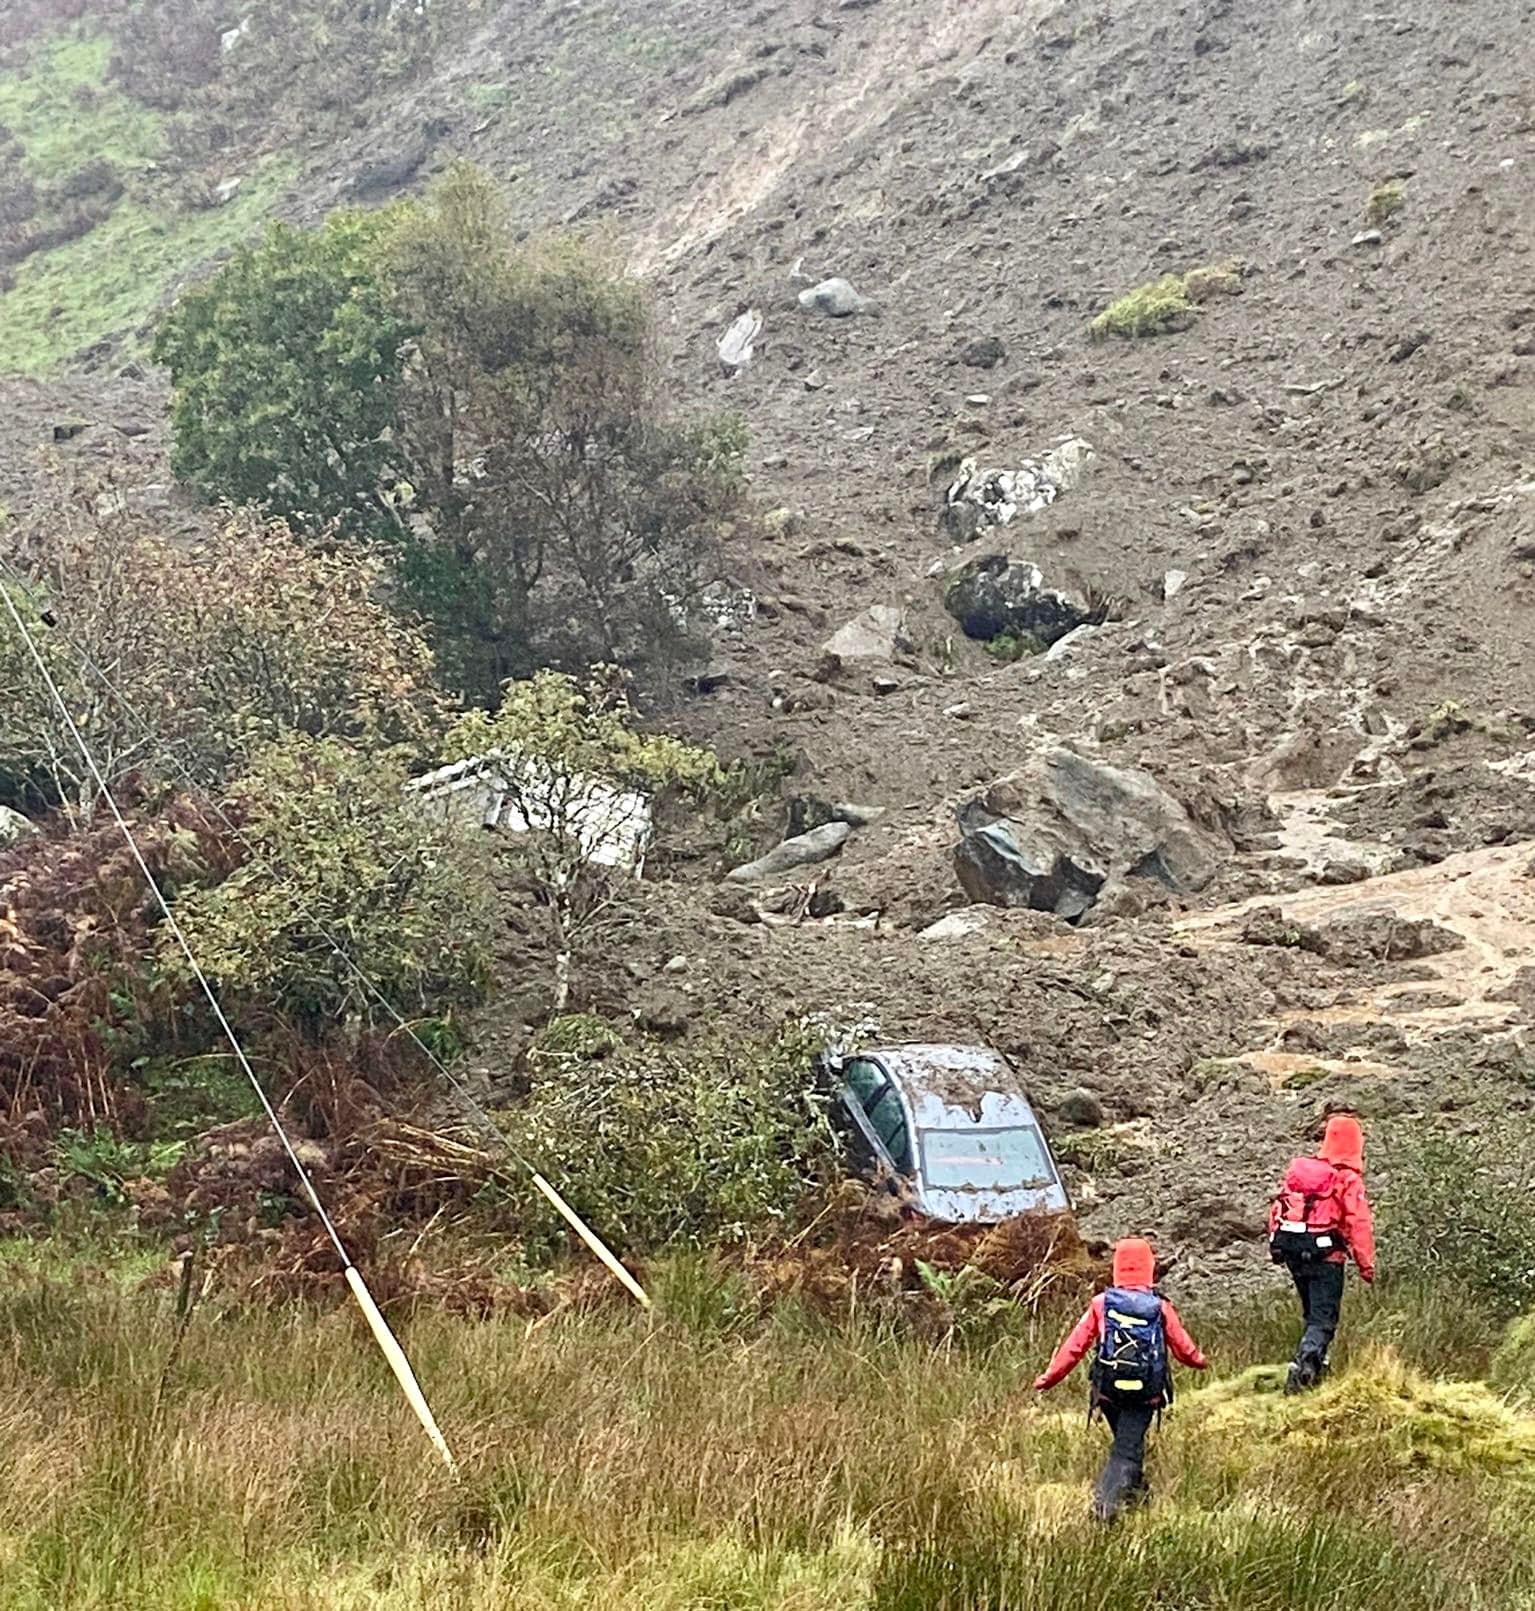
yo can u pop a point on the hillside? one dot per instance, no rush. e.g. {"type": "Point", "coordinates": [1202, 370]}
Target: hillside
{"type": "Point", "coordinates": [1308, 515]}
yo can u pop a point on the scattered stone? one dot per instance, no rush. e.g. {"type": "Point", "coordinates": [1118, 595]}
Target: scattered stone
{"type": "Point", "coordinates": [1268, 925]}
{"type": "Point", "coordinates": [1429, 466]}
{"type": "Point", "coordinates": [14, 826]}
{"type": "Point", "coordinates": [819, 845]}
{"type": "Point", "coordinates": [994, 595]}
{"type": "Point", "coordinates": [1369, 237]}
{"type": "Point", "coordinates": [957, 925]}
{"type": "Point", "coordinates": [68, 430]}
{"type": "Point", "coordinates": [875, 635]}
{"type": "Point", "coordinates": [1407, 346]}
{"type": "Point", "coordinates": [857, 816]}
{"type": "Point", "coordinates": [1172, 585]}
{"type": "Point", "coordinates": [980, 500]}
{"type": "Point", "coordinates": [1343, 870]}
{"type": "Point", "coordinates": [736, 904]}
{"type": "Point", "coordinates": [226, 190]}
{"type": "Point", "coordinates": [884, 684]}
{"type": "Point", "coordinates": [985, 352]}
{"type": "Point", "coordinates": [1081, 1108]}
{"type": "Point", "coordinates": [835, 298]}
{"type": "Point", "coordinates": [664, 1012]}
{"type": "Point", "coordinates": [736, 345]}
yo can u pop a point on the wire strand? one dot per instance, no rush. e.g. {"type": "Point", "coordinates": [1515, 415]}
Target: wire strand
{"type": "Point", "coordinates": [174, 927]}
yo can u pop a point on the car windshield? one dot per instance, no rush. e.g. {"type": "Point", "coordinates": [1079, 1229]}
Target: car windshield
{"type": "Point", "coordinates": [985, 1160]}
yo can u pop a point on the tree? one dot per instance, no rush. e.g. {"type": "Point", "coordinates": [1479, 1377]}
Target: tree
{"type": "Point", "coordinates": [494, 412]}
{"type": "Point", "coordinates": [580, 777]}
{"type": "Point", "coordinates": [218, 650]}
{"type": "Point", "coordinates": [567, 519]}
{"type": "Point", "coordinates": [339, 851]}
{"type": "Point", "coordinates": [285, 365]}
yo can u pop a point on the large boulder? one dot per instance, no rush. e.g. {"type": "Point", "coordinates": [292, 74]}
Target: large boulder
{"type": "Point", "coordinates": [873, 636]}
{"type": "Point", "coordinates": [995, 595]}
{"type": "Point", "coordinates": [1054, 835]}
{"type": "Point", "coordinates": [804, 850]}
{"type": "Point", "coordinates": [835, 298]}
{"type": "Point", "coordinates": [979, 500]}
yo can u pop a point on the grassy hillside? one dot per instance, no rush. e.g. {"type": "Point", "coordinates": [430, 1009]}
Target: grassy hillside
{"type": "Point", "coordinates": [119, 234]}
{"type": "Point", "coordinates": [715, 1460]}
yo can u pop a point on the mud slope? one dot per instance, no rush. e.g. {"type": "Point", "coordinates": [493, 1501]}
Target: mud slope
{"type": "Point", "coordinates": [1305, 535]}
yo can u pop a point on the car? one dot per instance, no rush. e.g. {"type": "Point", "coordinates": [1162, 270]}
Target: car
{"type": "Point", "coordinates": [949, 1130]}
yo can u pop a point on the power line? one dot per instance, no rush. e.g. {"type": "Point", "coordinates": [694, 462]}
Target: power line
{"type": "Point", "coordinates": [385, 1338]}
{"type": "Point", "coordinates": [475, 1111]}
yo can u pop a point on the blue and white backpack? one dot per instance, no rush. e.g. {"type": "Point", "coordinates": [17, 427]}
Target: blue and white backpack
{"type": "Point", "coordinates": [1131, 1363]}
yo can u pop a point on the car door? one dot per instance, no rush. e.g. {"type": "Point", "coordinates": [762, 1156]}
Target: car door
{"type": "Point", "coordinates": [878, 1113]}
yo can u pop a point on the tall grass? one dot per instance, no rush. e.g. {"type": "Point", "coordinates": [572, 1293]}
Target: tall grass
{"type": "Point", "coordinates": [708, 1461]}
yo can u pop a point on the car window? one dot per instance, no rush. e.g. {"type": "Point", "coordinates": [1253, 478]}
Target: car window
{"type": "Point", "coordinates": [870, 1084]}
{"type": "Point", "coordinates": [988, 1160]}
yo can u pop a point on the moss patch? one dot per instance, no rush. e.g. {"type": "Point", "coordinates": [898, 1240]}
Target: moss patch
{"type": "Point", "coordinates": [1388, 1415]}
{"type": "Point", "coordinates": [1172, 303]}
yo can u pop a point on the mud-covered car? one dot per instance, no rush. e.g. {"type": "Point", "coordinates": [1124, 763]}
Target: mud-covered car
{"type": "Point", "coordinates": [949, 1129]}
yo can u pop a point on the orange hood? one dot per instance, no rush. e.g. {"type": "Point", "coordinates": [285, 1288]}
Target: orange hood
{"type": "Point", "coordinates": [1134, 1263]}
{"type": "Point", "coordinates": [1343, 1143]}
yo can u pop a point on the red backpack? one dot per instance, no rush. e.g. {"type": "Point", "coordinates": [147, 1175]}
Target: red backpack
{"type": "Point", "coordinates": [1307, 1215]}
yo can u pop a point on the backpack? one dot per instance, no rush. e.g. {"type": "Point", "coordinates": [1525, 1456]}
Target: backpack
{"type": "Point", "coordinates": [1131, 1363]}
{"type": "Point", "coordinates": [1307, 1214]}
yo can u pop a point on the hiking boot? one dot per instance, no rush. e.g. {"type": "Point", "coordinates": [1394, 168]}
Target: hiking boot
{"type": "Point", "coordinates": [1300, 1378]}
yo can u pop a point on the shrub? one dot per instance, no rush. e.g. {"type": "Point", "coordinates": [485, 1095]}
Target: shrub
{"type": "Point", "coordinates": [219, 650]}
{"type": "Point", "coordinates": [1168, 304]}
{"type": "Point", "coordinates": [1384, 204]}
{"type": "Point", "coordinates": [339, 848]}
{"type": "Point", "coordinates": [1459, 1212]}
{"type": "Point", "coordinates": [659, 1147]}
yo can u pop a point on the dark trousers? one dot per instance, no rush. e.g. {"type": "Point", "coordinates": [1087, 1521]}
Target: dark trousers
{"type": "Point", "coordinates": [1123, 1477]}
{"type": "Point", "coordinates": [1321, 1299]}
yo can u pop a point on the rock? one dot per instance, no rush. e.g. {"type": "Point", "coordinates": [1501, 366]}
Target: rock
{"type": "Point", "coordinates": [735, 904]}
{"type": "Point", "coordinates": [875, 635]}
{"type": "Point", "coordinates": [805, 850]}
{"type": "Point", "coordinates": [68, 430]}
{"type": "Point", "coordinates": [1427, 467]}
{"type": "Point", "coordinates": [664, 1012]}
{"type": "Point", "coordinates": [985, 352]}
{"type": "Point", "coordinates": [1054, 835]}
{"type": "Point", "coordinates": [1063, 646]}
{"type": "Point", "coordinates": [884, 684]}
{"type": "Point", "coordinates": [781, 522]}
{"type": "Point", "coordinates": [995, 595]}
{"type": "Point", "coordinates": [1343, 870]}
{"type": "Point", "coordinates": [226, 190]}
{"type": "Point", "coordinates": [1172, 585]}
{"type": "Point", "coordinates": [735, 346]}
{"type": "Point", "coordinates": [971, 920]}
{"type": "Point", "coordinates": [14, 826]}
{"type": "Point", "coordinates": [835, 298]}
{"type": "Point", "coordinates": [1369, 237]}
{"type": "Point", "coordinates": [857, 816]}
{"type": "Point", "coordinates": [1081, 1108]}
{"type": "Point", "coordinates": [389, 172]}
{"type": "Point", "coordinates": [980, 500]}
{"type": "Point", "coordinates": [825, 902]}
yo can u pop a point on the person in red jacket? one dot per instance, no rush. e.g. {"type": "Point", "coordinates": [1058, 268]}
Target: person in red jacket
{"type": "Point", "coordinates": [1319, 1219]}
{"type": "Point", "coordinates": [1135, 1329]}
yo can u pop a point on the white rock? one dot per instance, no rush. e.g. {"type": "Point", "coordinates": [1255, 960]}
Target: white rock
{"type": "Point", "coordinates": [1172, 584]}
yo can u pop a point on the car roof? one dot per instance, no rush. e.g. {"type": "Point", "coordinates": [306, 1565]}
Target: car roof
{"type": "Point", "coordinates": [956, 1087]}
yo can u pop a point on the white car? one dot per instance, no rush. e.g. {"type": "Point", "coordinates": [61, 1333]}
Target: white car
{"type": "Point", "coordinates": [950, 1128]}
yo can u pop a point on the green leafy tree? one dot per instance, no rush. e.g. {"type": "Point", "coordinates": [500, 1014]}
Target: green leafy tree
{"type": "Point", "coordinates": [582, 778]}
{"type": "Point", "coordinates": [339, 851]}
{"type": "Point", "coordinates": [567, 519]}
{"type": "Point", "coordinates": [285, 365]}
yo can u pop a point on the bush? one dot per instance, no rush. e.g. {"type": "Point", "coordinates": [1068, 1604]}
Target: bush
{"type": "Point", "coordinates": [218, 650]}
{"type": "Point", "coordinates": [658, 1147]}
{"type": "Point", "coordinates": [1171, 303]}
{"type": "Point", "coordinates": [338, 848]}
{"type": "Point", "coordinates": [1384, 204]}
{"type": "Point", "coordinates": [1462, 1213]}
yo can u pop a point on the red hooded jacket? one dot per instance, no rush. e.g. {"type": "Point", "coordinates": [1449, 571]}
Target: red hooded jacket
{"type": "Point", "coordinates": [1343, 1147]}
{"type": "Point", "coordinates": [1134, 1266]}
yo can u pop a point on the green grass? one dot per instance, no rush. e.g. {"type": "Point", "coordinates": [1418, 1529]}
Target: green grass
{"type": "Point", "coordinates": [110, 280]}
{"type": "Point", "coordinates": [64, 112]}
{"type": "Point", "coordinates": [1171, 303]}
{"type": "Point", "coordinates": [714, 1459]}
